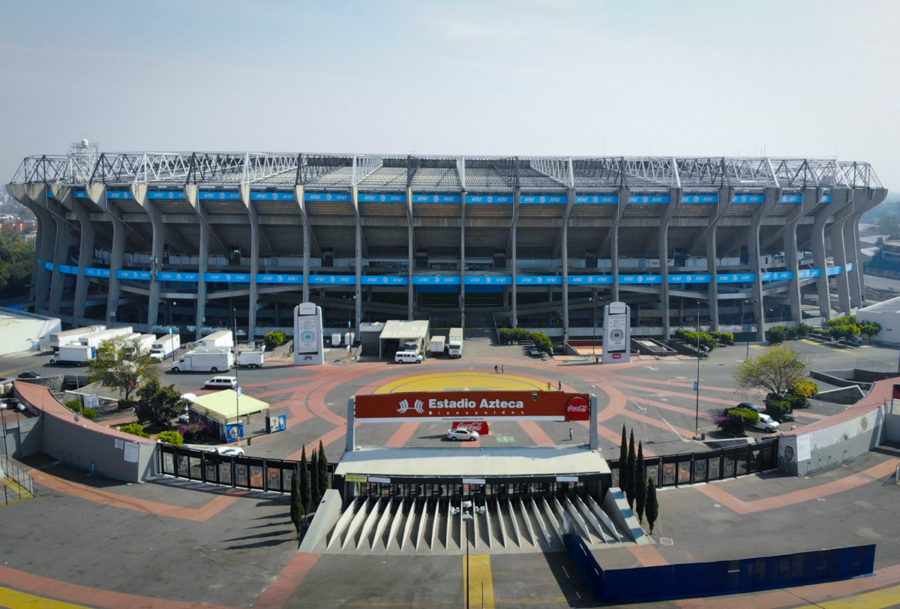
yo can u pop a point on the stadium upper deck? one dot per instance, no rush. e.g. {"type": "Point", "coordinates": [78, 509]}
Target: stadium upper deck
{"type": "Point", "coordinates": [529, 241]}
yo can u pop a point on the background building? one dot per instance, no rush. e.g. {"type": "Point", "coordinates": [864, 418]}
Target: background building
{"type": "Point", "coordinates": [214, 239]}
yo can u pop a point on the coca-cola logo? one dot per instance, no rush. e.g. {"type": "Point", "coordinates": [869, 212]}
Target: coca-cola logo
{"type": "Point", "coordinates": [480, 426]}
{"type": "Point", "coordinates": [578, 409]}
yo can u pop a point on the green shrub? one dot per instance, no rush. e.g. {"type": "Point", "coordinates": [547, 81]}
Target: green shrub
{"type": "Point", "coordinates": [507, 336]}
{"type": "Point", "coordinates": [723, 337]}
{"type": "Point", "coordinates": [692, 337]}
{"type": "Point", "coordinates": [75, 405]}
{"type": "Point", "coordinates": [797, 400]}
{"type": "Point", "coordinates": [777, 334]}
{"type": "Point", "coordinates": [135, 429]}
{"type": "Point", "coordinates": [126, 404]}
{"type": "Point", "coordinates": [89, 413]}
{"type": "Point", "coordinates": [778, 408]}
{"type": "Point", "coordinates": [194, 432]}
{"type": "Point", "coordinates": [274, 339]}
{"type": "Point", "coordinates": [171, 437]}
{"type": "Point", "coordinates": [806, 388]}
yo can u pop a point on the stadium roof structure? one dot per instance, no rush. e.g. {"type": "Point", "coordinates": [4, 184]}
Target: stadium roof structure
{"type": "Point", "coordinates": [85, 165]}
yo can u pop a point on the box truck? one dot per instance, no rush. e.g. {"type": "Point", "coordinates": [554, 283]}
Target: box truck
{"type": "Point", "coordinates": [94, 340]}
{"type": "Point", "coordinates": [140, 342]}
{"type": "Point", "coordinates": [250, 359]}
{"type": "Point", "coordinates": [455, 344]}
{"type": "Point", "coordinates": [165, 346]}
{"type": "Point", "coordinates": [74, 354]}
{"type": "Point", "coordinates": [68, 337]}
{"type": "Point", "coordinates": [222, 338]}
{"type": "Point", "coordinates": [437, 345]}
{"type": "Point", "coordinates": [204, 360]}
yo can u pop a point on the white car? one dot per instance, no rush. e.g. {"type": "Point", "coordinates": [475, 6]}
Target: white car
{"type": "Point", "coordinates": [766, 423]}
{"type": "Point", "coordinates": [221, 382]}
{"type": "Point", "coordinates": [461, 433]}
{"type": "Point", "coordinates": [228, 451]}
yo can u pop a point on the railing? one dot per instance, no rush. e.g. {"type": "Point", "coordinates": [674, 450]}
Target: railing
{"type": "Point", "coordinates": [253, 473]}
{"type": "Point", "coordinates": [707, 466]}
{"type": "Point", "coordinates": [17, 484]}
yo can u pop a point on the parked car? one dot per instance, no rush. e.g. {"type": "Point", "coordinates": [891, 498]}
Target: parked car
{"type": "Point", "coordinates": [535, 352]}
{"type": "Point", "coordinates": [221, 382]}
{"type": "Point", "coordinates": [29, 375]}
{"type": "Point", "coordinates": [766, 423]}
{"type": "Point", "coordinates": [461, 433]}
{"type": "Point", "coordinates": [407, 357]}
{"type": "Point", "coordinates": [228, 451]}
{"type": "Point", "coordinates": [749, 406]}
{"type": "Point", "coordinates": [781, 417]}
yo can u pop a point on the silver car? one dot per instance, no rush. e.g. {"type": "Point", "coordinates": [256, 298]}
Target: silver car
{"type": "Point", "coordinates": [461, 433]}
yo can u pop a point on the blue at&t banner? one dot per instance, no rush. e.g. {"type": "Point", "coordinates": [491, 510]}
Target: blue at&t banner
{"type": "Point", "coordinates": [273, 196]}
{"type": "Point", "coordinates": [650, 198]}
{"type": "Point", "coordinates": [118, 194]}
{"type": "Point", "coordinates": [384, 280]}
{"type": "Point", "coordinates": [332, 279]}
{"type": "Point", "coordinates": [96, 272]}
{"type": "Point", "coordinates": [384, 197]}
{"type": "Point", "coordinates": [690, 278]}
{"type": "Point", "coordinates": [227, 277]}
{"type": "Point", "coordinates": [491, 198]}
{"type": "Point", "coordinates": [810, 273]}
{"type": "Point", "coordinates": [131, 274]}
{"type": "Point", "coordinates": [590, 279]}
{"type": "Point", "coordinates": [640, 279]}
{"type": "Point", "coordinates": [551, 199]}
{"type": "Point", "coordinates": [436, 280]}
{"type": "Point", "coordinates": [438, 198]}
{"type": "Point", "coordinates": [219, 195]}
{"type": "Point", "coordinates": [597, 199]}
{"type": "Point", "coordinates": [166, 194]}
{"type": "Point", "coordinates": [791, 198]}
{"type": "Point", "coordinates": [749, 198]}
{"type": "Point", "coordinates": [707, 197]}
{"type": "Point", "coordinates": [279, 278]}
{"type": "Point", "coordinates": [178, 276]}
{"type": "Point", "coordinates": [342, 197]}
{"type": "Point", "coordinates": [488, 279]}
{"type": "Point", "coordinates": [778, 276]}
{"type": "Point", "coordinates": [736, 277]}
{"type": "Point", "coordinates": [539, 279]}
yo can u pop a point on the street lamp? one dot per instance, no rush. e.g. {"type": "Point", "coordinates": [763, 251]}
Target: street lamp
{"type": "Point", "coordinates": [237, 385]}
{"type": "Point", "coordinates": [751, 302]}
{"type": "Point", "coordinates": [697, 382]}
{"type": "Point", "coordinates": [465, 510]}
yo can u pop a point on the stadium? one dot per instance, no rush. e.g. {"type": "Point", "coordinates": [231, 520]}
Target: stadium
{"type": "Point", "coordinates": [204, 240]}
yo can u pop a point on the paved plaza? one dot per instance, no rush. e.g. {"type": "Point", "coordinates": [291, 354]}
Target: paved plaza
{"type": "Point", "coordinates": [87, 541]}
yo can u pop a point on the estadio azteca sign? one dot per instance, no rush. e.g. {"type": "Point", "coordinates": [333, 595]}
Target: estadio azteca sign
{"type": "Point", "coordinates": [473, 406]}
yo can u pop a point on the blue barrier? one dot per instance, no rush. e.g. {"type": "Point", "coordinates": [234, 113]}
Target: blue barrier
{"type": "Point", "coordinates": [650, 584]}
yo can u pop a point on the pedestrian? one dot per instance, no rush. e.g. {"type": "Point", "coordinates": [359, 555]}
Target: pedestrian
{"type": "Point", "coordinates": [560, 385]}
{"type": "Point", "coordinates": [548, 385]}
{"type": "Point", "coordinates": [571, 434]}
{"type": "Point", "coordinates": [501, 368]}
{"type": "Point", "coordinates": [495, 368]}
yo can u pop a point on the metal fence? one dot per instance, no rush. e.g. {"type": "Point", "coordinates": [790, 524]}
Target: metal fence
{"type": "Point", "coordinates": [716, 464]}
{"type": "Point", "coordinates": [253, 473]}
{"type": "Point", "coordinates": [17, 484]}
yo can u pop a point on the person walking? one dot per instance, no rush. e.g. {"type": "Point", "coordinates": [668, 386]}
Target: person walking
{"type": "Point", "coordinates": [495, 369]}
{"type": "Point", "coordinates": [571, 434]}
{"type": "Point", "coordinates": [501, 369]}
{"type": "Point", "coordinates": [560, 385]}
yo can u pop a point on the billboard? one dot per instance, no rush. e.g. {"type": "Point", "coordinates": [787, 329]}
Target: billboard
{"type": "Point", "coordinates": [472, 406]}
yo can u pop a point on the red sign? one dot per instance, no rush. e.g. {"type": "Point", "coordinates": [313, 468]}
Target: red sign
{"type": "Point", "coordinates": [578, 408]}
{"type": "Point", "coordinates": [481, 427]}
{"type": "Point", "coordinates": [472, 406]}
{"type": "Point", "coordinates": [896, 395]}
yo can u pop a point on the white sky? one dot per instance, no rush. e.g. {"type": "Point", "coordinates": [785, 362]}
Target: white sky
{"type": "Point", "coordinates": [529, 77]}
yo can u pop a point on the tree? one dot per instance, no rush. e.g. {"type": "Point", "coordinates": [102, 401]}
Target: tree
{"type": "Point", "coordinates": [296, 505]}
{"type": "Point", "coordinates": [135, 429]}
{"type": "Point", "coordinates": [324, 483]}
{"type": "Point", "coordinates": [122, 365]}
{"type": "Point", "coordinates": [314, 479]}
{"type": "Point", "coordinates": [629, 492]}
{"type": "Point", "coordinates": [16, 259]}
{"type": "Point", "coordinates": [652, 508]}
{"type": "Point", "coordinates": [158, 405]}
{"type": "Point", "coordinates": [640, 484]}
{"type": "Point", "coordinates": [776, 370]}
{"type": "Point", "coordinates": [305, 494]}
{"type": "Point", "coordinates": [623, 460]}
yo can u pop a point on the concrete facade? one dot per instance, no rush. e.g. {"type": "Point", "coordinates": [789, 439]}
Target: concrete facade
{"type": "Point", "coordinates": [216, 240]}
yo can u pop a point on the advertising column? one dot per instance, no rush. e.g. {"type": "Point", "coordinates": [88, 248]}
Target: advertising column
{"type": "Point", "coordinates": [308, 340]}
{"type": "Point", "coordinates": [616, 333]}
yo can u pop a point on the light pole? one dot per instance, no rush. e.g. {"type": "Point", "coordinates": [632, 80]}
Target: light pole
{"type": "Point", "coordinates": [465, 511]}
{"type": "Point", "coordinates": [237, 385]}
{"type": "Point", "coordinates": [751, 302]}
{"type": "Point", "coordinates": [697, 383]}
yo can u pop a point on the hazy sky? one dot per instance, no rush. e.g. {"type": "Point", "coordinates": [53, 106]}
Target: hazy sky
{"type": "Point", "coordinates": [558, 77]}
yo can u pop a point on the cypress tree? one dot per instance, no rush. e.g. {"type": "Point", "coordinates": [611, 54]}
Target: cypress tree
{"type": "Point", "coordinates": [623, 460]}
{"type": "Point", "coordinates": [296, 508]}
{"type": "Point", "coordinates": [305, 493]}
{"type": "Point", "coordinates": [652, 504]}
{"type": "Point", "coordinates": [324, 482]}
{"type": "Point", "coordinates": [629, 479]}
{"type": "Point", "coordinates": [640, 483]}
{"type": "Point", "coordinates": [314, 479]}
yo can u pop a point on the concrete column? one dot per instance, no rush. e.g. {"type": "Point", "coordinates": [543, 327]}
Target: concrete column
{"type": "Point", "coordinates": [307, 236]}
{"type": "Point", "coordinates": [712, 293]}
{"type": "Point", "coordinates": [34, 197]}
{"type": "Point", "coordinates": [773, 196]}
{"type": "Point", "coordinates": [357, 291]}
{"type": "Point", "coordinates": [85, 256]}
{"type": "Point", "coordinates": [864, 199]}
{"type": "Point", "coordinates": [462, 264]}
{"type": "Point", "coordinates": [139, 192]}
{"type": "Point", "coordinates": [60, 256]}
{"type": "Point", "coordinates": [202, 269]}
{"type": "Point", "coordinates": [411, 254]}
{"type": "Point", "coordinates": [624, 194]}
{"type": "Point", "coordinates": [817, 238]}
{"type": "Point", "coordinates": [253, 303]}
{"type": "Point", "coordinates": [843, 207]}
{"type": "Point", "coordinates": [513, 239]}
{"type": "Point", "coordinates": [116, 258]}
{"type": "Point", "coordinates": [663, 254]}
{"type": "Point", "coordinates": [564, 250]}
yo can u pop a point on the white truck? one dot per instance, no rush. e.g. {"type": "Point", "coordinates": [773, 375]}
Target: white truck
{"type": "Point", "coordinates": [74, 354]}
{"type": "Point", "coordinates": [222, 338]}
{"type": "Point", "coordinates": [140, 343]}
{"type": "Point", "coordinates": [455, 343]}
{"type": "Point", "coordinates": [68, 337]}
{"type": "Point", "coordinates": [165, 346]}
{"type": "Point", "coordinates": [204, 360]}
{"type": "Point", "coordinates": [250, 359]}
{"type": "Point", "coordinates": [438, 345]}
{"type": "Point", "coordinates": [94, 340]}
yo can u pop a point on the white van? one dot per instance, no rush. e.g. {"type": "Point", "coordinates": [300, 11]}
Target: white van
{"type": "Point", "coordinates": [407, 357]}
{"type": "Point", "coordinates": [221, 382]}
